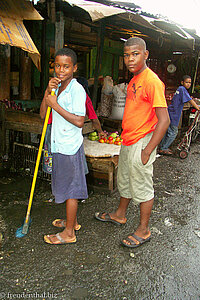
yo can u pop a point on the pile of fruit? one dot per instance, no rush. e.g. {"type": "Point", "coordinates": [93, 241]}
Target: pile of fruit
{"type": "Point", "coordinates": [93, 136]}
{"type": "Point", "coordinates": [112, 138]}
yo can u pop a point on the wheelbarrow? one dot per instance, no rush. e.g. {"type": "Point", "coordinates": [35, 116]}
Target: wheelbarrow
{"type": "Point", "coordinates": [190, 136]}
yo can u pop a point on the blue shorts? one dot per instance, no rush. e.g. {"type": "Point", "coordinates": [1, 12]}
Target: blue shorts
{"type": "Point", "coordinates": [68, 176]}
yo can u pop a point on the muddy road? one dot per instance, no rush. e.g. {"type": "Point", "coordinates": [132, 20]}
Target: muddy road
{"type": "Point", "coordinates": [98, 266]}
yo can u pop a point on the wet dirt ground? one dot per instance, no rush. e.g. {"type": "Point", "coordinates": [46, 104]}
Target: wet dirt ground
{"type": "Point", "coordinates": [98, 266]}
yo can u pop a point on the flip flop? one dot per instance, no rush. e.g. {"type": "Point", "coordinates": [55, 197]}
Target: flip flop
{"type": "Point", "coordinates": [165, 152]}
{"type": "Point", "coordinates": [106, 218]}
{"type": "Point", "coordinates": [132, 243]}
{"type": "Point", "coordinates": [61, 221]}
{"type": "Point", "coordinates": [48, 240]}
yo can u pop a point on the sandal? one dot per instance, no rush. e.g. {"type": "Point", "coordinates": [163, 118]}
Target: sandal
{"type": "Point", "coordinates": [60, 223]}
{"type": "Point", "coordinates": [133, 244]}
{"type": "Point", "coordinates": [107, 218]}
{"type": "Point", "coordinates": [165, 152]}
{"type": "Point", "coordinates": [61, 241]}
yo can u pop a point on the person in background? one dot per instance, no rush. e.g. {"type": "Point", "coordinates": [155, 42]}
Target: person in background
{"type": "Point", "coordinates": [144, 124]}
{"type": "Point", "coordinates": [175, 108]}
{"type": "Point", "coordinates": [90, 112]}
{"type": "Point", "coordinates": [68, 114]}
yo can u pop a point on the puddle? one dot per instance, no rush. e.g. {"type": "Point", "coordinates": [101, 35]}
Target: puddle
{"type": "Point", "coordinates": [79, 293]}
{"type": "Point", "coordinates": [86, 258]}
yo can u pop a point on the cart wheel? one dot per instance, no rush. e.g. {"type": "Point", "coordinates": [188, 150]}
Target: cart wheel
{"type": "Point", "coordinates": [183, 154]}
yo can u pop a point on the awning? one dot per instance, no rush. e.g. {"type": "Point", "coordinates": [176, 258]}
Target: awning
{"type": "Point", "coordinates": [12, 29]}
{"type": "Point", "coordinates": [177, 32]}
{"type": "Point", "coordinates": [99, 11]}
{"type": "Point", "coordinates": [96, 10]}
{"type": "Point", "coordinates": [140, 20]}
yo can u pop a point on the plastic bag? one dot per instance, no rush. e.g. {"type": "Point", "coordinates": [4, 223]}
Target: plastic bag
{"type": "Point", "coordinates": [106, 97]}
{"type": "Point", "coordinates": [119, 92]}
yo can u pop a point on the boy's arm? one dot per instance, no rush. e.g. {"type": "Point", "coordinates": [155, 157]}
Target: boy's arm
{"type": "Point", "coordinates": [159, 132]}
{"type": "Point", "coordinates": [97, 126]}
{"type": "Point", "coordinates": [43, 106]}
{"type": "Point", "coordinates": [72, 118]}
{"type": "Point", "coordinates": [193, 103]}
{"type": "Point", "coordinates": [90, 112]}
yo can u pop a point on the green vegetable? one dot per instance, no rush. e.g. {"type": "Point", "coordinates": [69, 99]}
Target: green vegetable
{"type": "Point", "coordinates": [93, 133]}
{"type": "Point", "coordinates": [114, 135]}
{"type": "Point", "coordinates": [92, 138]}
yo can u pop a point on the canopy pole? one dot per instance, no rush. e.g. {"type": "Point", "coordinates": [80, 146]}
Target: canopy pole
{"type": "Point", "coordinates": [195, 74]}
{"type": "Point", "coordinates": [100, 45]}
{"type": "Point", "coordinates": [4, 72]}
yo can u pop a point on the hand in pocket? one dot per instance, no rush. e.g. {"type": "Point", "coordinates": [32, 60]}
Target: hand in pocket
{"type": "Point", "coordinates": [144, 157]}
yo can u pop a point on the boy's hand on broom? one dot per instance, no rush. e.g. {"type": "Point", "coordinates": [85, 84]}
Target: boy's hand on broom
{"type": "Point", "coordinates": [53, 84]}
{"type": "Point", "coordinates": [51, 100]}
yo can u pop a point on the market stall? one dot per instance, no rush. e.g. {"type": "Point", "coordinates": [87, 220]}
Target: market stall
{"type": "Point", "coordinates": [97, 40]}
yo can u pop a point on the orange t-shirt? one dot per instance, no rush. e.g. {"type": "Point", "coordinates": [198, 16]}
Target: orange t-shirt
{"type": "Point", "coordinates": [145, 92]}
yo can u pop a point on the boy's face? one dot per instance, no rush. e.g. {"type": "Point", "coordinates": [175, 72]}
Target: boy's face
{"type": "Point", "coordinates": [187, 83]}
{"type": "Point", "coordinates": [135, 58]}
{"type": "Point", "coordinates": [64, 67]}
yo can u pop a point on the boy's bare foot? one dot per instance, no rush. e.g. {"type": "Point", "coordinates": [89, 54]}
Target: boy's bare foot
{"type": "Point", "coordinates": [62, 223]}
{"type": "Point", "coordinates": [110, 217]}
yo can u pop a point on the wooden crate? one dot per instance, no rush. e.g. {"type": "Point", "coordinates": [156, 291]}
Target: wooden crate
{"type": "Point", "coordinates": [103, 168]}
{"type": "Point", "coordinates": [111, 125]}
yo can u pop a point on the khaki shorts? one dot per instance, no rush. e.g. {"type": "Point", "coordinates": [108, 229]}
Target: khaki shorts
{"type": "Point", "coordinates": [135, 180]}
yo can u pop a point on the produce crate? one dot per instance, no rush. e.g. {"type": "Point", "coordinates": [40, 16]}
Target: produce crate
{"type": "Point", "coordinates": [111, 125]}
{"type": "Point", "coordinates": [24, 157]}
{"type": "Point", "coordinates": [102, 170]}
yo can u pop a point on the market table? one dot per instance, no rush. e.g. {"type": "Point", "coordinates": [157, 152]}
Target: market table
{"type": "Point", "coordinates": [26, 122]}
{"type": "Point", "coordinates": [102, 160]}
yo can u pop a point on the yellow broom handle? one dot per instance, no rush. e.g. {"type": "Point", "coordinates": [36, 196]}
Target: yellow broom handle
{"type": "Point", "coordinates": [38, 160]}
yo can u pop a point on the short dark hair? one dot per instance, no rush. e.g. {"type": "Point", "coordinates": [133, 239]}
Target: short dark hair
{"type": "Point", "coordinates": [67, 52]}
{"type": "Point", "coordinates": [135, 41]}
{"type": "Point", "coordinates": [186, 77]}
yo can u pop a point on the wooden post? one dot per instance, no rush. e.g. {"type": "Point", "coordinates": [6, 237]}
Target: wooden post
{"type": "Point", "coordinates": [5, 72]}
{"type": "Point", "coordinates": [2, 130]}
{"type": "Point", "coordinates": [51, 10]}
{"type": "Point", "coordinates": [100, 45]}
{"type": "Point", "coordinates": [43, 77]}
{"type": "Point", "coordinates": [59, 31]}
{"type": "Point", "coordinates": [195, 74]}
{"type": "Point", "coordinates": [25, 77]}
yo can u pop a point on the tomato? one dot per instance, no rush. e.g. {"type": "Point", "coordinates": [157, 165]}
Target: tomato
{"type": "Point", "coordinates": [110, 138]}
{"type": "Point", "coordinates": [118, 143]}
{"type": "Point", "coordinates": [111, 142]}
{"type": "Point", "coordinates": [118, 139]}
{"type": "Point", "coordinates": [101, 140]}
{"type": "Point", "coordinates": [105, 140]}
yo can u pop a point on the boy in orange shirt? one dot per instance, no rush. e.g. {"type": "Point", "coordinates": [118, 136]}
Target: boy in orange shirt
{"type": "Point", "coordinates": [144, 124]}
